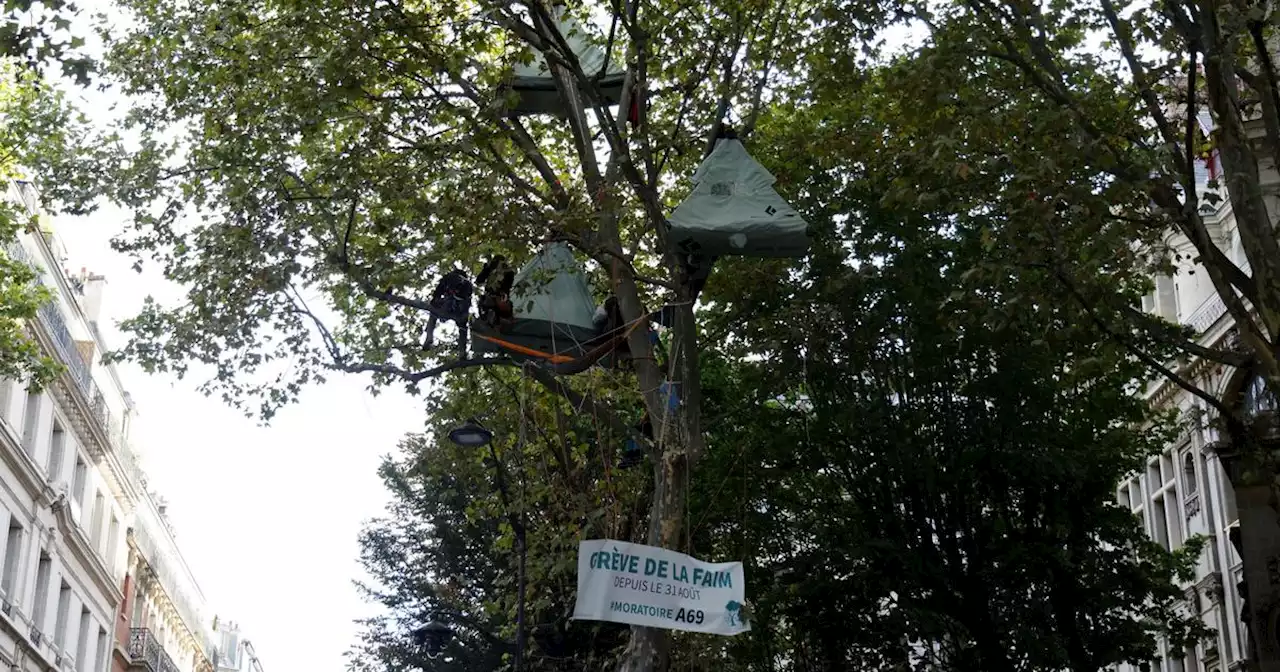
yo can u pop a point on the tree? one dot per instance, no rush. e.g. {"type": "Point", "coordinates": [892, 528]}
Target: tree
{"type": "Point", "coordinates": [446, 551]}
{"type": "Point", "coordinates": [1076, 135]}
{"type": "Point", "coordinates": [910, 422]}
{"type": "Point", "coordinates": [350, 154]}
{"type": "Point", "coordinates": [937, 477]}
{"type": "Point", "coordinates": [39, 133]}
{"type": "Point", "coordinates": [37, 127]}
{"type": "Point", "coordinates": [38, 33]}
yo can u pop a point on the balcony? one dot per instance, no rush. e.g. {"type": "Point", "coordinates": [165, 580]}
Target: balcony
{"type": "Point", "coordinates": [51, 317]}
{"type": "Point", "coordinates": [145, 652]}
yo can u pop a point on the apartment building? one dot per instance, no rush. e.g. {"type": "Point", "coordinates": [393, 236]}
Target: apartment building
{"type": "Point", "coordinates": [1186, 491]}
{"type": "Point", "coordinates": [91, 578]}
{"type": "Point", "coordinates": [233, 651]}
{"type": "Point", "coordinates": [163, 613]}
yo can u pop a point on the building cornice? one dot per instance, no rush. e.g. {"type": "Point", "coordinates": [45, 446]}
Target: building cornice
{"type": "Point", "coordinates": [151, 584]}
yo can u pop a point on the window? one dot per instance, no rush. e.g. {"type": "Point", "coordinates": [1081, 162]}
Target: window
{"type": "Point", "coordinates": [12, 554]}
{"type": "Point", "coordinates": [231, 643]}
{"type": "Point", "coordinates": [1167, 298]}
{"type": "Point", "coordinates": [60, 619]}
{"type": "Point", "coordinates": [1257, 398]}
{"type": "Point", "coordinates": [57, 447]}
{"type": "Point", "coordinates": [43, 571]}
{"type": "Point", "coordinates": [1160, 523]}
{"type": "Point", "coordinates": [95, 532]}
{"type": "Point", "coordinates": [1166, 508]}
{"type": "Point", "coordinates": [1228, 496]}
{"type": "Point", "coordinates": [79, 480]}
{"type": "Point", "coordinates": [136, 621]}
{"type": "Point", "coordinates": [6, 391]}
{"type": "Point", "coordinates": [31, 418]}
{"type": "Point", "coordinates": [102, 648]}
{"type": "Point", "coordinates": [82, 642]}
{"type": "Point", "coordinates": [113, 532]}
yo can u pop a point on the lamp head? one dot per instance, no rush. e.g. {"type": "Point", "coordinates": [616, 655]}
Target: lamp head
{"type": "Point", "coordinates": [433, 637]}
{"type": "Point", "coordinates": [470, 435]}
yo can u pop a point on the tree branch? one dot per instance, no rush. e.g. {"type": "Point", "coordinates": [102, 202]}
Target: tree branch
{"type": "Point", "coordinates": [1157, 331]}
{"type": "Point", "coordinates": [419, 376]}
{"type": "Point", "coordinates": [757, 93]}
{"type": "Point", "coordinates": [599, 409]}
{"type": "Point", "coordinates": [1143, 356]}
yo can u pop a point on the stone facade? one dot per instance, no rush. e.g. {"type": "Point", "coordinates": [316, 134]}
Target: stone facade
{"type": "Point", "coordinates": [91, 579]}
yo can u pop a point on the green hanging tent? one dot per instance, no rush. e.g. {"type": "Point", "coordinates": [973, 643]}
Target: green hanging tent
{"type": "Point", "coordinates": [734, 210]}
{"type": "Point", "coordinates": [552, 307]}
{"type": "Point", "coordinates": [536, 89]}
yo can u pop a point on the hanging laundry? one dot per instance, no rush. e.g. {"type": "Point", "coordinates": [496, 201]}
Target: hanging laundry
{"type": "Point", "coordinates": [535, 87]}
{"type": "Point", "coordinates": [734, 209]}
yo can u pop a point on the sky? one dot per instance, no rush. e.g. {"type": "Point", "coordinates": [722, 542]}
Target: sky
{"type": "Point", "coordinates": [266, 517]}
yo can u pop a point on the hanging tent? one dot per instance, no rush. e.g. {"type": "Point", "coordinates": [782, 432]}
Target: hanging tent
{"type": "Point", "coordinates": [535, 87]}
{"type": "Point", "coordinates": [733, 209]}
{"type": "Point", "coordinates": [552, 307]}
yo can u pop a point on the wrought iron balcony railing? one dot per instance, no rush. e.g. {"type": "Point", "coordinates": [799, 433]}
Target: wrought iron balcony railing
{"type": "Point", "coordinates": [145, 649]}
{"type": "Point", "coordinates": [51, 317]}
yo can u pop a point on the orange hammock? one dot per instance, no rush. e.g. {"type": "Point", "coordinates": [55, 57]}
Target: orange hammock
{"type": "Point", "coordinates": [564, 364]}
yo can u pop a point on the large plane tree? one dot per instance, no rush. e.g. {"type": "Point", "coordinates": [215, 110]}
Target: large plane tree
{"type": "Point", "coordinates": [308, 170]}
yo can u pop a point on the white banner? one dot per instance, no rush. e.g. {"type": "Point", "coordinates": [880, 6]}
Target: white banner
{"type": "Point", "coordinates": [644, 585]}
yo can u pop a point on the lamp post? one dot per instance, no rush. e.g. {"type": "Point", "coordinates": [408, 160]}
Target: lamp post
{"type": "Point", "coordinates": [474, 435]}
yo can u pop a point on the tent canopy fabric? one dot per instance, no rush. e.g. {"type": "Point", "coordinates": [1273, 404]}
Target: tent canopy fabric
{"type": "Point", "coordinates": [535, 85]}
{"type": "Point", "coordinates": [734, 210]}
{"type": "Point", "coordinates": [591, 57]}
{"type": "Point", "coordinates": [551, 305]}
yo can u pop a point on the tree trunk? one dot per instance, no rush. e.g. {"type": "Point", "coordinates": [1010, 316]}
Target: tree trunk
{"type": "Point", "coordinates": [679, 441]}
{"type": "Point", "coordinates": [649, 649]}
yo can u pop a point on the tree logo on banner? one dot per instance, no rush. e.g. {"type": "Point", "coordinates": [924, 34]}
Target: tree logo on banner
{"type": "Point", "coordinates": [733, 613]}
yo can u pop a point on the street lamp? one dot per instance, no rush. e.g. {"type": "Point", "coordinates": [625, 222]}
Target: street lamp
{"type": "Point", "coordinates": [433, 637]}
{"type": "Point", "coordinates": [473, 435]}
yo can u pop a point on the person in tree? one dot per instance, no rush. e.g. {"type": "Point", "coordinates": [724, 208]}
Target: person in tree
{"type": "Point", "coordinates": [450, 301]}
{"type": "Point", "coordinates": [495, 280]}
{"type": "Point", "coordinates": [608, 317]}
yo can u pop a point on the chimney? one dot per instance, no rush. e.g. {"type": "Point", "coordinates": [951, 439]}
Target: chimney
{"type": "Point", "coordinates": [92, 301]}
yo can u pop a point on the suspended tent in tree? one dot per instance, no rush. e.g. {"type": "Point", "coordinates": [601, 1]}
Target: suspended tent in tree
{"type": "Point", "coordinates": [733, 209]}
{"type": "Point", "coordinates": [552, 308]}
{"type": "Point", "coordinates": [536, 88]}
{"type": "Point", "coordinates": [554, 318]}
